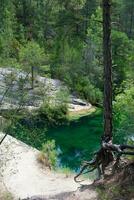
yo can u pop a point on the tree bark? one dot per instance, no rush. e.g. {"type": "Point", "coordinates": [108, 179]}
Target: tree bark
{"type": "Point", "coordinates": [105, 155]}
{"type": "Point", "coordinates": [107, 56]}
{"type": "Point", "coordinates": [32, 77]}
{"type": "Point", "coordinates": [131, 22]}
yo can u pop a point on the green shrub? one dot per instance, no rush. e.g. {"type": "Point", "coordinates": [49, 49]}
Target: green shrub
{"type": "Point", "coordinates": [131, 142]}
{"type": "Point", "coordinates": [88, 91]}
{"type": "Point", "coordinates": [124, 112]}
{"type": "Point", "coordinates": [31, 54]}
{"type": "Point", "coordinates": [48, 155]}
{"type": "Point", "coordinates": [54, 114]}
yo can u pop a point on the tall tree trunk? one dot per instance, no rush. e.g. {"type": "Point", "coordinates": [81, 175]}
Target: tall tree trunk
{"type": "Point", "coordinates": [107, 68]}
{"type": "Point", "coordinates": [105, 155]}
{"type": "Point", "coordinates": [32, 77]}
{"type": "Point", "coordinates": [131, 23]}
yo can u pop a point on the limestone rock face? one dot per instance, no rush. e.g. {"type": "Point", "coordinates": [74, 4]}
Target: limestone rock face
{"type": "Point", "coordinates": [16, 88]}
{"type": "Point", "coordinates": [16, 92]}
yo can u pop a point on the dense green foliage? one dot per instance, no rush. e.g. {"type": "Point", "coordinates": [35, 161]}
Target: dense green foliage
{"type": "Point", "coordinates": [54, 115]}
{"type": "Point", "coordinates": [124, 111]}
{"type": "Point", "coordinates": [31, 54]}
{"type": "Point", "coordinates": [66, 37]}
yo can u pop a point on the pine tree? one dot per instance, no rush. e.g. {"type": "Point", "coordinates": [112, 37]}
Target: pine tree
{"type": "Point", "coordinates": [107, 68]}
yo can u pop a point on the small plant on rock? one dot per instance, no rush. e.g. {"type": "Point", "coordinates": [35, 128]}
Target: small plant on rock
{"type": "Point", "coordinates": [48, 155]}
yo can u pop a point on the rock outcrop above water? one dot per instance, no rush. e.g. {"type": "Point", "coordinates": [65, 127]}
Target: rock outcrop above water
{"type": "Point", "coordinates": [15, 91]}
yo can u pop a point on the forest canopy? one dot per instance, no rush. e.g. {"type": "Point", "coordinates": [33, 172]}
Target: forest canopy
{"type": "Point", "coordinates": [66, 38]}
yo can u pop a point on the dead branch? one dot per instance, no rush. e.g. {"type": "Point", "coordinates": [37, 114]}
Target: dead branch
{"type": "Point", "coordinates": [3, 138]}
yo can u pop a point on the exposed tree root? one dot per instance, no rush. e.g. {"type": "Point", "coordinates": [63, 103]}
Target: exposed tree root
{"type": "Point", "coordinates": [107, 154]}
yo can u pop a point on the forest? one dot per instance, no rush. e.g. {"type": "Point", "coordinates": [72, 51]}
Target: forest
{"type": "Point", "coordinates": [67, 90]}
{"type": "Point", "coordinates": [64, 41]}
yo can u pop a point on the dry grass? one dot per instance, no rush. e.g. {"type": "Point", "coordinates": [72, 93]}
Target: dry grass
{"type": "Point", "coordinates": [5, 194]}
{"type": "Point", "coordinates": [80, 113]}
{"type": "Point", "coordinates": [44, 160]}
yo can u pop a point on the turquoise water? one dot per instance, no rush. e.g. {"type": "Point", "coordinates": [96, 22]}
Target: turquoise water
{"type": "Point", "coordinates": [78, 140]}
{"type": "Point", "coordinates": [75, 141]}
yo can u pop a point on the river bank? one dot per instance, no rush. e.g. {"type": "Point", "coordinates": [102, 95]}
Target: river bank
{"type": "Point", "coordinates": [76, 140]}
{"type": "Point", "coordinates": [24, 177]}
{"type": "Point", "coordinates": [80, 112]}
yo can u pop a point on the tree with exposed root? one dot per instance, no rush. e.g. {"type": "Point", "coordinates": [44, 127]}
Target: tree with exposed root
{"type": "Point", "coordinates": [105, 155]}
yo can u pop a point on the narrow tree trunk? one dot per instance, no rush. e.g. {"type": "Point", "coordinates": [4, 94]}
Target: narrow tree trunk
{"type": "Point", "coordinates": [131, 23]}
{"type": "Point", "coordinates": [105, 155]}
{"type": "Point", "coordinates": [32, 77]}
{"type": "Point", "coordinates": [107, 68]}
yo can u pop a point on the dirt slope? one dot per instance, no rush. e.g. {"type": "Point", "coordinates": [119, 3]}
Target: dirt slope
{"type": "Point", "coordinates": [24, 177]}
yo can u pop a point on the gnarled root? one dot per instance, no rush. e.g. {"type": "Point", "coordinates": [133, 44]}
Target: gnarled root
{"type": "Point", "coordinates": [104, 157]}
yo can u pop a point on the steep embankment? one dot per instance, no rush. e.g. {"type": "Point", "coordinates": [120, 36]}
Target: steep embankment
{"type": "Point", "coordinates": [24, 177]}
{"type": "Point", "coordinates": [119, 186]}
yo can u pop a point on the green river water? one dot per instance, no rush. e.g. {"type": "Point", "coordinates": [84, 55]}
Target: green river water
{"type": "Point", "coordinates": [78, 140]}
{"type": "Point", "coordinates": [75, 141]}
